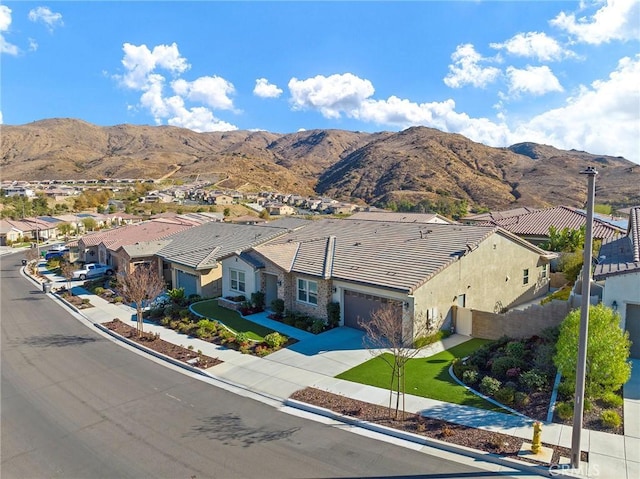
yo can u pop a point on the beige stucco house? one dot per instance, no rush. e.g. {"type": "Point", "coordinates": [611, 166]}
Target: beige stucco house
{"type": "Point", "coordinates": [428, 269]}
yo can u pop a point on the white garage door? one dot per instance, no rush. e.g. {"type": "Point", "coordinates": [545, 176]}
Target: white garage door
{"type": "Point", "coordinates": [187, 281]}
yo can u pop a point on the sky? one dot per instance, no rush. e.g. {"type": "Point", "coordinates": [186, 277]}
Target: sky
{"type": "Point", "coordinates": [561, 73]}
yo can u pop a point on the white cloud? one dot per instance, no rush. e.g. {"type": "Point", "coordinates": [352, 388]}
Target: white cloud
{"type": "Point", "coordinates": [5, 23]}
{"type": "Point", "coordinates": [45, 16]}
{"type": "Point", "coordinates": [264, 89]}
{"type": "Point", "coordinates": [33, 45]}
{"type": "Point", "coordinates": [615, 20]}
{"type": "Point", "coordinates": [533, 45]}
{"type": "Point", "coordinates": [466, 69]}
{"type": "Point", "coordinates": [212, 91]}
{"type": "Point", "coordinates": [1, 118]}
{"type": "Point", "coordinates": [532, 80]}
{"type": "Point", "coordinates": [139, 62]}
{"type": "Point", "coordinates": [141, 65]}
{"type": "Point", "coordinates": [331, 95]}
{"type": "Point", "coordinates": [601, 118]}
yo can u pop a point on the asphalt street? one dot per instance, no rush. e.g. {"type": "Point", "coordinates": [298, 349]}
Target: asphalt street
{"type": "Point", "coordinates": [75, 404]}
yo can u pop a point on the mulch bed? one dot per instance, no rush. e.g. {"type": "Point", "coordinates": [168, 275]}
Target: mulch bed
{"type": "Point", "coordinates": [479, 439]}
{"type": "Point", "coordinates": [74, 300]}
{"type": "Point", "coordinates": [153, 342]}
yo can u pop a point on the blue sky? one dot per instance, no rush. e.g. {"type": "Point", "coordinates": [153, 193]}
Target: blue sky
{"type": "Point", "coordinates": [560, 73]}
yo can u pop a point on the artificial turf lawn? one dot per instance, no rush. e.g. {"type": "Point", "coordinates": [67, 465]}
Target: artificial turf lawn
{"type": "Point", "coordinates": [426, 377]}
{"type": "Point", "coordinates": [231, 319]}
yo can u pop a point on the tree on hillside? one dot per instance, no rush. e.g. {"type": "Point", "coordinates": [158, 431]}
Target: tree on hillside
{"type": "Point", "coordinates": [608, 366]}
{"type": "Point", "coordinates": [143, 284]}
{"type": "Point", "coordinates": [384, 331]}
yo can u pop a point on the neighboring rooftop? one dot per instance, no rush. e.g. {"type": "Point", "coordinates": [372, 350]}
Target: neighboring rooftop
{"type": "Point", "coordinates": [621, 255]}
{"type": "Point", "coordinates": [536, 223]}
{"type": "Point", "coordinates": [399, 217]}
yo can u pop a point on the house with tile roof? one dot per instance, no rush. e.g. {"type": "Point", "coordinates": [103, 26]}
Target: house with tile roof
{"type": "Point", "coordinates": [618, 271]}
{"type": "Point", "coordinates": [427, 269]}
{"type": "Point", "coordinates": [383, 215]}
{"type": "Point", "coordinates": [100, 246]}
{"type": "Point", "coordinates": [191, 259]}
{"type": "Point", "coordinates": [534, 225]}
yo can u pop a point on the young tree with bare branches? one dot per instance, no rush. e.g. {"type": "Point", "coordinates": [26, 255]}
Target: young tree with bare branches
{"type": "Point", "coordinates": [384, 331]}
{"type": "Point", "coordinates": [66, 269]}
{"type": "Point", "coordinates": [141, 285]}
{"type": "Point", "coordinates": [31, 255]}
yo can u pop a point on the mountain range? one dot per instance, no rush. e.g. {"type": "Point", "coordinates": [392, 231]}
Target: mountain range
{"type": "Point", "coordinates": [375, 168]}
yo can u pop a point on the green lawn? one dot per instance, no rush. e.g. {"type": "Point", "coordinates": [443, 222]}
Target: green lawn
{"type": "Point", "coordinates": [231, 319]}
{"type": "Point", "coordinates": [426, 377]}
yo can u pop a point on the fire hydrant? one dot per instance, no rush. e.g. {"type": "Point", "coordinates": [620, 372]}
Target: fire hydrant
{"type": "Point", "coordinates": [536, 444]}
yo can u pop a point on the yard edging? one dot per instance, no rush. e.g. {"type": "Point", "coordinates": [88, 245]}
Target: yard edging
{"type": "Point", "coordinates": [426, 441]}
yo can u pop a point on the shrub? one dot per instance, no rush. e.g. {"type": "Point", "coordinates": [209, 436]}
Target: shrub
{"type": "Point", "coordinates": [261, 351]}
{"type": "Point", "coordinates": [510, 384]}
{"type": "Point", "coordinates": [333, 314]}
{"type": "Point", "coordinates": [543, 358]}
{"type": "Point", "coordinates": [242, 338]}
{"type": "Point", "coordinates": [470, 377]}
{"type": "Point", "coordinates": [515, 349]}
{"type": "Point", "coordinates": [301, 324]}
{"type": "Point", "coordinates": [532, 380]}
{"type": "Point", "coordinates": [505, 395]}
{"type": "Point", "coordinates": [118, 299]}
{"type": "Point", "coordinates": [165, 321]}
{"type": "Point", "coordinates": [225, 335]}
{"type": "Point", "coordinates": [521, 399]}
{"type": "Point", "coordinates": [489, 385]}
{"type": "Point", "coordinates": [99, 290]}
{"type": "Point", "coordinates": [564, 410]}
{"type": "Point", "coordinates": [610, 418]}
{"type": "Point", "coordinates": [566, 389]}
{"type": "Point", "coordinates": [257, 299]}
{"type": "Point", "coordinates": [318, 326]}
{"type": "Point", "coordinates": [194, 298]}
{"type": "Point", "coordinates": [183, 313]}
{"type": "Point", "coordinates": [611, 399]}
{"type": "Point", "coordinates": [587, 405]}
{"type": "Point", "coordinates": [513, 372]}
{"type": "Point", "coordinates": [275, 340]}
{"type": "Point", "coordinates": [501, 365]}
{"type": "Point", "coordinates": [277, 305]}
{"type": "Point", "coordinates": [607, 350]}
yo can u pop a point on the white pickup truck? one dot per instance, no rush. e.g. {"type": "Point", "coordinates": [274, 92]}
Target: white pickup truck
{"type": "Point", "coordinates": [92, 270]}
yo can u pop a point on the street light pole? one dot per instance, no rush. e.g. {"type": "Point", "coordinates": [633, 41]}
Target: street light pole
{"type": "Point", "coordinates": [578, 403]}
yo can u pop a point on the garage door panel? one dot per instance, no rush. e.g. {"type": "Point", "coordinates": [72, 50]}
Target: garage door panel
{"type": "Point", "coordinates": [632, 325]}
{"type": "Point", "coordinates": [187, 281]}
{"type": "Point", "coordinates": [360, 306]}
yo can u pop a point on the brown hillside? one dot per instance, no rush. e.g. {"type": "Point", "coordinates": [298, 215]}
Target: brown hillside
{"type": "Point", "coordinates": [413, 164]}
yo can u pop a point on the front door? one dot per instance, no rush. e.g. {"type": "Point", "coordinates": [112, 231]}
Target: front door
{"type": "Point", "coordinates": [271, 288]}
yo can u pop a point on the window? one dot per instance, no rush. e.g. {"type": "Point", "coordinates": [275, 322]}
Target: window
{"type": "Point", "coordinates": [307, 291]}
{"type": "Point", "coordinates": [525, 276]}
{"type": "Point", "coordinates": [237, 280]}
{"type": "Point", "coordinates": [543, 273]}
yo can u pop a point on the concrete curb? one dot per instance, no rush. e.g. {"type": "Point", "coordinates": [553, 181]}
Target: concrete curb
{"type": "Point", "coordinates": [541, 470]}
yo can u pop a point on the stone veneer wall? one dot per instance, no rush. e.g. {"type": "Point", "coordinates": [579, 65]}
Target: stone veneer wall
{"type": "Point", "coordinates": [519, 324]}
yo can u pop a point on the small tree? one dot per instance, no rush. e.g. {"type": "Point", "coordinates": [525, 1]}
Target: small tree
{"type": "Point", "coordinates": [384, 331]}
{"type": "Point", "coordinates": [608, 366]}
{"type": "Point", "coordinates": [89, 224]}
{"type": "Point", "coordinates": [31, 255]}
{"type": "Point", "coordinates": [66, 269]}
{"type": "Point", "coordinates": [65, 229]}
{"type": "Point", "coordinates": [143, 284]}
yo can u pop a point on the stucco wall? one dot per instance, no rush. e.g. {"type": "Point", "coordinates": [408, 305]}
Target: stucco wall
{"type": "Point", "coordinates": [623, 289]}
{"type": "Point", "coordinates": [236, 263]}
{"type": "Point", "coordinates": [490, 277]}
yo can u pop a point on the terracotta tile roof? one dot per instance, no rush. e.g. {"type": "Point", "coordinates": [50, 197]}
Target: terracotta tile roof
{"type": "Point", "coordinates": [134, 233]}
{"type": "Point", "coordinates": [499, 215]}
{"type": "Point", "coordinates": [399, 256]}
{"type": "Point", "coordinates": [621, 255]}
{"type": "Point", "coordinates": [537, 223]}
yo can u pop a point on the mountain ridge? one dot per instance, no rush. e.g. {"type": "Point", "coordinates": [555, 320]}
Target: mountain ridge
{"type": "Point", "coordinates": [412, 165]}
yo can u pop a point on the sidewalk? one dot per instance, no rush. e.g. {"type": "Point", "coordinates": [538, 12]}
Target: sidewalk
{"type": "Point", "coordinates": [315, 361]}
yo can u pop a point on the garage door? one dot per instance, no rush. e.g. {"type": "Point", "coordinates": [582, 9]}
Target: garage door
{"type": "Point", "coordinates": [187, 281]}
{"type": "Point", "coordinates": [359, 307]}
{"type": "Point", "coordinates": [632, 324]}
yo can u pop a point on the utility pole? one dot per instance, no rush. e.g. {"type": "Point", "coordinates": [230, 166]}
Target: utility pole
{"type": "Point", "coordinates": [578, 403]}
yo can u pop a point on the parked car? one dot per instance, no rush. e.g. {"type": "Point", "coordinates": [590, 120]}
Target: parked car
{"type": "Point", "coordinates": [56, 253]}
{"type": "Point", "coordinates": [93, 270]}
